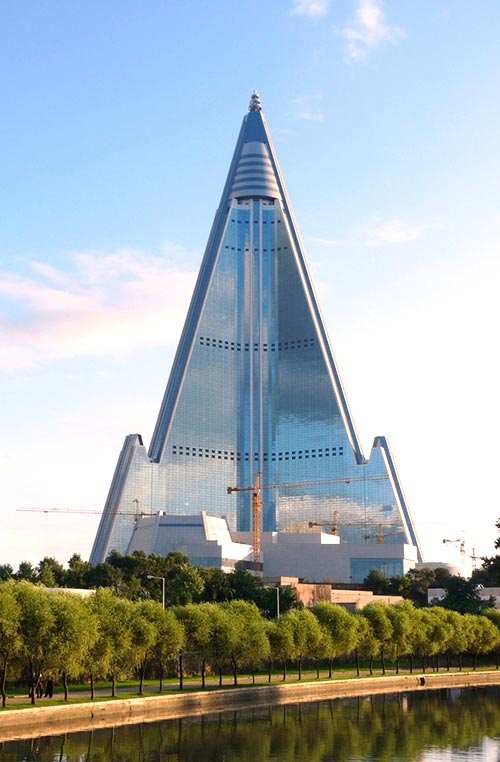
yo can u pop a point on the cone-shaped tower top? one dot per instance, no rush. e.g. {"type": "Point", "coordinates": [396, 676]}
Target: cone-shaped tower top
{"type": "Point", "coordinates": [255, 104]}
{"type": "Point", "coordinates": [254, 386]}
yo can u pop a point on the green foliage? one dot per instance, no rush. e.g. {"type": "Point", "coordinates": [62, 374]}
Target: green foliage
{"type": "Point", "coordinates": [281, 641]}
{"type": "Point", "coordinates": [462, 595]}
{"type": "Point", "coordinates": [6, 572]}
{"type": "Point", "coordinates": [306, 634]}
{"type": "Point", "coordinates": [109, 636]}
{"type": "Point", "coordinates": [115, 617]}
{"type": "Point", "coordinates": [340, 625]}
{"type": "Point", "coordinates": [50, 573]}
{"type": "Point", "coordinates": [10, 631]}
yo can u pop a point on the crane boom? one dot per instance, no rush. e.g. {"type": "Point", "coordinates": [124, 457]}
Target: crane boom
{"type": "Point", "coordinates": [79, 510]}
{"type": "Point", "coordinates": [257, 488]}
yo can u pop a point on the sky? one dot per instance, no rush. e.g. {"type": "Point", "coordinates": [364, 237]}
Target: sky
{"type": "Point", "coordinates": [118, 123]}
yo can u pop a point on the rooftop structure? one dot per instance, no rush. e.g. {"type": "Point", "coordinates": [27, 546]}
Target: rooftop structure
{"type": "Point", "coordinates": [254, 388]}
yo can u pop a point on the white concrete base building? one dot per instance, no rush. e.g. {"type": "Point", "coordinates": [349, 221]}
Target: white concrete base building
{"type": "Point", "coordinates": [314, 556]}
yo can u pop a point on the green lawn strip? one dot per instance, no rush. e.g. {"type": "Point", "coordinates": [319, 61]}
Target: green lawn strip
{"type": "Point", "coordinates": [79, 692]}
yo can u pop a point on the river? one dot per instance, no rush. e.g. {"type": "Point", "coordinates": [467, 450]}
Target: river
{"type": "Point", "coordinates": [447, 725]}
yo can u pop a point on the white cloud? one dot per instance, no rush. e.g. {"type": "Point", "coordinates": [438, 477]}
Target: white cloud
{"type": "Point", "coordinates": [367, 29]}
{"type": "Point", "coordinates": [309, 7]}
{"type": "Point", "coordinates": [391, 231]}
{"type": "Point", "coordinates": [395, 231]}
{"type": "Point", "coordinates": [308, 108]}
{"type": "Point", "coordinates": [323, 241]}
{"type": "Point", "coordinates": [107, 304]}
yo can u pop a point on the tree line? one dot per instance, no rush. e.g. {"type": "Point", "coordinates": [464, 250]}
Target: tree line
{"type": "Point", "coordinates": [133, 577]}
{"type": "Point", "coordinates": [137, 576]}
{"type": "Point", "coordinates": [106, 636]}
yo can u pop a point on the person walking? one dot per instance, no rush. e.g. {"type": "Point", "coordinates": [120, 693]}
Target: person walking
{"type": "Point", "coordinates": [49, 688]}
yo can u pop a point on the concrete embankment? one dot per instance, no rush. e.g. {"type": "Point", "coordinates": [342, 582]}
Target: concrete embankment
{"type": "Point", "coordinates": [48, 720]}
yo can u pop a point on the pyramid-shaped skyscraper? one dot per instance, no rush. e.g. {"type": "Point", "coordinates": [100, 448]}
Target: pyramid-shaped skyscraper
{"type": "Point", "coordinates": [254, 387]}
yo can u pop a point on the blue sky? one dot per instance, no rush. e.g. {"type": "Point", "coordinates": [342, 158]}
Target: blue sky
{"type": "Point", "coordinates": [118, 124]}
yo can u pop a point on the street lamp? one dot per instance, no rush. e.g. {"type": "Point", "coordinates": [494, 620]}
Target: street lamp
{"type": "Point", "coordinates": [278, 602]}
{"type": "Point", "coordinates": [152, 576]}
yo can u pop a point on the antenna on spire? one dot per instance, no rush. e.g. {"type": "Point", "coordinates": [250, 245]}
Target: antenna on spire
{"type": "Point", "coordinates": [255, 104]}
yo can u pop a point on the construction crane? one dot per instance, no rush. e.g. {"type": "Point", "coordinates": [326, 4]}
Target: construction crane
{"type": "Point", "coordinates": [84, 511]}
{"type": "Point", "coordinates": [463, 552]}
{"type": "Point", "coordinates": [380, 535]}
{"type": "Point", "coordinates": [333, 524]}
{"type": "Point", "coordinates": [256, 514]}
{"type": "Point", "coordinates": [459, 542]}
{"type": "Point", "coordinates": [256, 489]}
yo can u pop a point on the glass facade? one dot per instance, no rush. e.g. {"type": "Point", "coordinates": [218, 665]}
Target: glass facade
{"type": "Point", "coordinates": [254, 387]}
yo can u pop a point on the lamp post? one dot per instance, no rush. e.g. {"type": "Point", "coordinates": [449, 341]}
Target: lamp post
{"type": "Point", "coordinates": [278, 602]}
{"type": "Point", "coordinates": [152, 576]}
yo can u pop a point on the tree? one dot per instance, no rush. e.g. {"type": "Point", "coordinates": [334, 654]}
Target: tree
{"type": "Point", "coordinates": [365, 643]}
{"type": "Point", "coordinates": [381, 626]}
{"type": "Point", "coordinates": [222, 635]}
{"type": "Point", "coordinates": [10, 635]}
{"type": "Point", "coordinates": [401, 616]}
{"type": "Point", "coordinates": [306, 634]}
{"type": "Point", "coordinates": [116, 654]}
{"type": "Point", "coordinates": [95, 661]}
{"type": "Point", "coordinates": [341, 627]}
{"type": "Point", "coordinates": [377, 582]}
{"type": "Point", "coordinates": [280, 634]}
{"type": "Point", "coordinates": [458, 636]}
{"type": "Point", "coordinates": [183, 585]}
{"type": "Point", "coordinates": [78, 572]}
{"type": "Point", "coordinates": [462, 595]}
{"type": "Point", "coordinates": [431, 634]}
{"type": "Point", "coordinates": [249, 643]}
{"type": "Point", "coordinates": [50, 573]}
{"type": "Point", "coordinates": [420, 581]}
{"type": "Point", "coordinates": [26, 572]}
{"type": "Point", "coordinates": [195, 619]}
{"type": "Point", "coordinates": [243, 586]}
{"type": "Point", "coordinates": [267, 600]}
{"type": "Point", "coordinates": [483, 636]}
{"type": "Point", "coordinates": [6, 572]}
{"type": "Point", "coordinates": [106, 575]}
{"type": "Point", "coordinates": [494, 616]}
{"type": "Point", "coordinates": [75, 633]}
{"type": "Point", "coordinates": [216, 585]}
{"type": "Point", "coordinates": [37, 630]}
{"type": "Point", "coordinates": [155, 633]}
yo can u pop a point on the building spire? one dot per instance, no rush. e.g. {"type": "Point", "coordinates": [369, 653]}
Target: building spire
{"type": "Point", "coordinates": [255, 104]}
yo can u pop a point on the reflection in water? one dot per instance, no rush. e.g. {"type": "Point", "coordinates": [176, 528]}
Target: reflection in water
{"type": "Point", "coordinates": [429, 726]}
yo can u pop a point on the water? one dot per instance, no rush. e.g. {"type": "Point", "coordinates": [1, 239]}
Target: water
{"type": "Point", "coordinates": [459, 725]}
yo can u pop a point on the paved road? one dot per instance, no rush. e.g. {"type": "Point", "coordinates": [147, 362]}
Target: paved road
{"type": "Point", "coordinates": [153, 688]}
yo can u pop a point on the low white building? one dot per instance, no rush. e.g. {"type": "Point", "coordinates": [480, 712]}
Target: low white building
{"type": "Point", "coordinates": [314, 556]}
{"type": "Point", "coordinates": [205, 539]}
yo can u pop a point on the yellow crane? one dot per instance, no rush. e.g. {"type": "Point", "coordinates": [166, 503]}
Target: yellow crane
{"type": "Point", "coordinates": [380, 534]}
{"type": "Point", "coordinates": [256, 489]}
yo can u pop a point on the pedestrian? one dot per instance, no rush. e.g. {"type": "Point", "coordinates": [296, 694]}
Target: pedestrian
{"type": "Point", "coordinates": [49, 688]}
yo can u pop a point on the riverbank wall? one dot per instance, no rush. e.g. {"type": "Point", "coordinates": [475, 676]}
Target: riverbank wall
{"type": "Point", "coordinates": [69, 718]}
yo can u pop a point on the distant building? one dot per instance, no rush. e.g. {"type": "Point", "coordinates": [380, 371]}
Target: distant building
{"type": "Point", "coordinates": [312, 556]}
{"type": "Point", "coordinates": [437, 594]}
{"type": "Point", "coordinates": [76, 591]}
{"type": "Point", "coordinates": [351, 599]}
{"type": "Point", "coordinates": [205, 539]}
{"type": "Point", "coordinates": [254, 387]}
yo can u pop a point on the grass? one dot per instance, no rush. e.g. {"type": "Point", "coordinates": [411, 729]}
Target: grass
{"type": "Point", "coordinates": [128, 689]}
